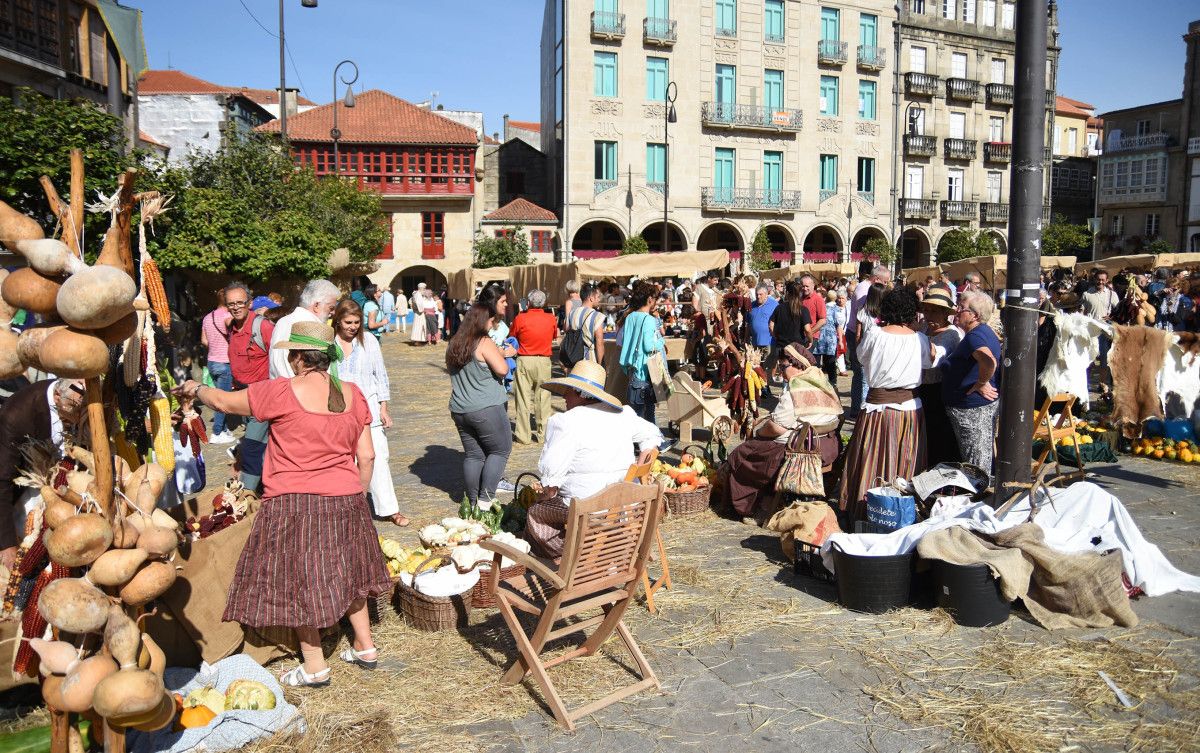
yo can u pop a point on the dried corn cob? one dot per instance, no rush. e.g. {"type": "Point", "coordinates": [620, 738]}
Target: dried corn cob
{"type": "Point", "coordinates": [125, 450]}
{"type": "Point", "coordinates": [155, 292]}
{"type": "Point", "coordinates": [132, 357]}
{"type": "Point", "coordinates": [160, 432]}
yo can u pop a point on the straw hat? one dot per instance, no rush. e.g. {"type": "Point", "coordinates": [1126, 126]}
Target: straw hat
{"type": "Point", "coordinates": [316, 330]}
{"type": "Point", "coordinates": [938, 295]}
{"type": "Point", "coordinates": [586, 378]}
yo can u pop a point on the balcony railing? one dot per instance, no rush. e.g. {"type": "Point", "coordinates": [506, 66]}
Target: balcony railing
{"type": "Point", "coordinates": [771, 37]}
{"type": "Point", "coordinates": [603, 185]}
{"type": "Point", "coordinates": [659, 187]}
{"type": "Point", "coordinates": [959, 211]}
{"type": "Point", "coordinates": [1194, 145]}
{"type": "Point", "coordinates": [918, 209]}
{"type": "Point", "coordinates": [867, 196]}
{"type": "Point", "coordinates": [831, 52]}
{"type": "Point", "coordinates": [1146, 141]}
{"type": "Point", "coordinates": [993, 212]}
{"type": "Point", "coordinates": [730, 32]}
{"type": "Point", "coordinates": [871, 57]}
{"type": "Point", "coordinates": [921, 84]}
{"type": "Point", "coordinates": [423, 186]}
{"type": "Point", "coordinates": [997, 151]}
{"type": "Point", "coordinates": [749, 199]}
{"type": "Point", "coordinates": [607, 25]}
{"type": "Point", "coordinates": [999, 94]}
{"type": "Point", "coordinates": [916, 145]}
{"type": "Point", "coordinates": [962, 88]}
{"type": "Point", "coordinates": [963, 149]}
{"type": "Point", "coordinates": [752, 117]}
{"type": "Point", "coordinates": [660, 31]}
{"type": "Point", "coordinates": [1050, 99]}
{"type": "Point", "coordinates": [825, 194]}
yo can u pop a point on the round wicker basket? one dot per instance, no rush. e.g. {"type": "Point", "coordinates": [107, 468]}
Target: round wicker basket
{"type": "Point", "coordinates": [688, 503]}
{"type": "Point", "coordinates": [481, 596]}
{"type": "Point", "coordinates": [433, 613]}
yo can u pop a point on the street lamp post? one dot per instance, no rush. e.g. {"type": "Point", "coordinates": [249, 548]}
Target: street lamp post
{"type": "Point", "coordinates": [334, 133]}
{"type": "Point", "coordinates": [668, 117]}
{"type": "Point", "coordinates": [283, 69]}
{"type": "Point", "coordinates": [909, 129]}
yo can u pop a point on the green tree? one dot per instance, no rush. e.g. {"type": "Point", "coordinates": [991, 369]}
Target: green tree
{"type": "Point", "coordinates": [1159, 246]}
{"type": "Point", "coordinates": [760, 251]}
{"type": "Point", "coordinates": [635, 244]}
{"type": "Point", "coordinates": [245, 210]}
{"type": "Point", "coordinates": [1061, 237]}
{"type": "Point", "coordinates": [957, 244]}
{"type": "Point", "coordinates": [510, 249]}
{"type": "Point", "coordinates": [985, 244]}
{"type": "Point", "coordinates": [39, 134]}
{"type": "Point", "coordinates": [882, 250]}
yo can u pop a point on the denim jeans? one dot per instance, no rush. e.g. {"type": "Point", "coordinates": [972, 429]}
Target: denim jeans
{"type": "Point", "coordinates": [487, 442]}
{"type": "Point", "coordinates": [858, 385]}
{"type": "Point", "coordinates": [641, 398]}
{"type": "Point", "coordinates": [222, 377]}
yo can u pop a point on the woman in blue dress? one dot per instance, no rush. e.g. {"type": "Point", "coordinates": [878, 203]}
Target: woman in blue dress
{"type": "Point", "coordinates": [825, 348]}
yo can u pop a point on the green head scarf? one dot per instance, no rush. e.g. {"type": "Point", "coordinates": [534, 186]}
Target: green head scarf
{"type": "Point", "coordinates": [330, 349]}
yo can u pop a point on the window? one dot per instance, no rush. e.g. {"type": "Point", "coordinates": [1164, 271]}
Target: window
{"type": "Point", "coordinates": [1143, 128]}
{"type": "Point", "coordinates": [866, 175]}
{"type": "Point", "coordinates": [433, 237]}
{"type": "Point", "coordinates": [958, 125]}
{"type": "Point", "coordinates": [989, 13]}
{"type": "Point", "coordinates": [606, 160]}
{"type": "Point", "coordinates": [968, 11]}
{"type": "Point", "coordinates": [604, 74]}
{"type": "Point", "coordinates": [866, 100]}
{"type": "Point", "coordinates": [727, 17]}
{"type": "Point", "coordinates": [914, 182]}
{"type": "Point", "coordinates": [723, 163]}
{"type": "Point", "coordinates": [954, 184]}
{"type": "Point", "coordinates": [916, 59]}
{"type": "Point", "coordinates": [1118, 225]}
{"type": "Point", "coordinates": [1007, 13]}
{"type": "Point", "coordinates": [916, 121]}
{"type": "Point", "coordinates": [659, 9]}
{"type": "Point", "coordinates": [605, 6]}
{"type": "Point", "coordinates": [539, 242]}
{"type": "Point", "coordinates": [1072, 140]}
{"type": "Point", "coordinates": [994, 182]}
{"type": "Point", "coordinates": [773, 175]}
{"type": "Point", "coordinates": [773, 22]}
{"type": "Point", "coordinates": [999, 70]}
{"type": "Point", "coordinates": [831, 24]}
{"type": "Point", "coordinates": [773, 89]}
{"type": "Point", "coordinates": [726, 85]}
{"type": "Point", "coordinates": [918, 6]}
{"type": "Point", "coordinates": [868, 30]}
{"type": "Point", "coordinates": [656, 163]}
{"type": "Point", "coordinates": [948, 8]}
{"type": "Point", "coordinates": [829, 95]}
{"type": "Point", "coordinates": [505, 233]}
{"type": "Point", "coordinates": [829, 172]}
{"type": "Point", "coordinates": [656, 78]}
{"type": "Point", "coordinates": [1151, 226]}
{"type": "Point", "coordinates": [995, 129]}
{"type": "Point", "coordinates": [958, 65]}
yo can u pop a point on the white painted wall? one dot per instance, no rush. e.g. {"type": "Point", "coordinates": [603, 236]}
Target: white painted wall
{"type": "Point", "coordinates": [182, 121]}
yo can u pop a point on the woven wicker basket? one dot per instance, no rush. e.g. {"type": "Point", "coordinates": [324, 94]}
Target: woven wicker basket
{"type": "Point", "coordinates": [688, 503]}
{"type": "Point", "coordinates": [481, 596]}
{"type": "Point", "coordinates": [433, 613]}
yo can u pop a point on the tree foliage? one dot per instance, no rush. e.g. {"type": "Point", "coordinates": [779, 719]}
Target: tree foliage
{"type": "Point", "coordinates": [1061, 237]}
{"type": "Point", "coordinates": [880, 249]}
{"type": "Point", "coordinates": [635, 244]}
{"type": "Point", "coordinates": [508, 250]}
{"type": "Point", "coordinates": [39, 134]}
{"type": "Point", "coordinates": [961, 243]}
{"type": "Point", "coordinates": [760, 251]}
{"type": "Point", "coordinates": [1159, 246]}
{"type": "Point", "coordinates": [245, 210]}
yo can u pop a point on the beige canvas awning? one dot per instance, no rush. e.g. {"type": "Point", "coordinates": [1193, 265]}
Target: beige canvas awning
{"type": "Point", "coordinates": [549, 278]}
{"type": "Point", "coordinates": [819, 269]}
{"type": "Point", "coordinates": [1114, 264]}
{"type": "Point", "coordinates": [674, 264]}
{"type": "Point", "coordinates": [994, 269]}
{"type": "Point", "coordinates": [1177, 261]}
{"type": "Point", "coordinates": [461, 283]}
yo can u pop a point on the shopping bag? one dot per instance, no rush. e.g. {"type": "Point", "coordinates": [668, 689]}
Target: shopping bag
{"type": "Point", "coordinates": [890, 508]}
{"type": "Point", "coordinates": [660, 377]}
{"type": "Point", "coordinates": [206, 379]}
{"type": "Point", "coordinates": [800, 472]}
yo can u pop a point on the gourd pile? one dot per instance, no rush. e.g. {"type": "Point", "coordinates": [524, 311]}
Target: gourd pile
{"type": "Point", "coordinates": [692, 472]}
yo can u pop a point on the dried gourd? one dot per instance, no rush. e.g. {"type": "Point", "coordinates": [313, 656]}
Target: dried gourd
{"type": "Point", "coordinates": [15, 227]}
{"type": "Point", "coordinates": [159, 542]}
{"type": "Point", "coordinates": [50, 256]}
{"type": "Point", "coordinates": [26, 289]}
{"type": "Point", "coordinates": [29, 344]}
{"type": "Point", "coordinates": [162, 717]}
{"type": "Point", "coordinates": [73, 605]}
{"type": "Point", "coordinates": [10, 362]}
{"type": "Point", "coordinates": [119, 331]}
{"type": "Point", "coordinates": [116, 567]}
{"type": "Point", "coordinates": [69, 352]}
{"type": "Point", "coordinates": [55, 657]}
{"type": "Point", "coordinates": [148, 584]}
{"type": "Point", "coordinates": [79, 540]}
{"type": "Point", "coordinates": [125, 534]}
{"type": "Point", "coordinates": [150, 472]}
{"type": "Point", "coordinates": [79, 686]}
{"type": "Point", "coordinates": [122, 638]}
{"type": "Point", "coordinates": [128, 692]}
{"type": "Point", "coordinates": [96, 297]}
{"type": "Point", "coordinates": [155, 659]}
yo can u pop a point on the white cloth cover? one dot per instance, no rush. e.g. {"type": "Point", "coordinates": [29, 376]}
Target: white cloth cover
{"type": "Point", "coordinates": [1075, 347]}
{"type": "Point", "coordinates": [1074, 517]}
{"type": "Point", "coordinates": [1180, 376]}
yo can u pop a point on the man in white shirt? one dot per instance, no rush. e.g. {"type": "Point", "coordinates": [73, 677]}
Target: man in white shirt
{"type": "Point", "coordinates": [317, 302]}
{"type": "Point", "coordinates": [858, 386]}
{"type": "Point", "coordinates": [706, 295]}
{"type": "Point", "coordinates": [401, 311]}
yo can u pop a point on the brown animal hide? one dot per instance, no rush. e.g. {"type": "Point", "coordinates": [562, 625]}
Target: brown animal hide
{"type": "Point", "coordinates": [1189, 342]}
{"type": "Point", "coordinates": [1135, 360]}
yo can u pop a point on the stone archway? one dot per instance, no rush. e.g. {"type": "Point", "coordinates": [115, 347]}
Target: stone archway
{"type": "Point", "coordinates": [1001, 243]}
{"type": "Point", "coordinates": [408, 278]}
{"type": "Point", "coordinates": [915, 249]}
{"type": "Point", "coordinates": [783, 243]}
{"type": "Point", "coordinates": [823, 243]}
{"type": "Point", "coordinates": [598, 236]}
{"type": "Point", "coordinates": [860, 241]}
{"type": "Point", "coordinates": [653, 235]}
{"type": "Point", "coordinates": [720, 235]}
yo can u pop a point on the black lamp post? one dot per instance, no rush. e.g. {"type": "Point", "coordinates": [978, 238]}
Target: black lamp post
{"type": "Point", "coordinates": [668, 119]}
{"type": "Point", "coordinates": [910, 129]}
{"type": "Point", "coordinates": [334, 133]}
{"type": "Point", "coordinates": [283, 69]}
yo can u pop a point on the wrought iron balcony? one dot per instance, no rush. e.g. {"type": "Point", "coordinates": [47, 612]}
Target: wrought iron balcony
{"type": "Point", "coordinates": [1050, 99]}
{"type": "Point", "coordinates": [831, 52]}
{"type": "Point", "coordinates": [921, 84]}
{"type": "Point", "coordinates": [959, 211]}
{"type": "Point", "coordinates": [659, 31]}
{"type": "Point", "coordinates": [1146, 141]}
{"type": "Point", "coordinates": [871, 57]}
{"type": "Point", "coordinates": [962, 88]}
{"type": "Point", "coordinates": [993, 212]}
{"type": "Point", "coordinates": [603, 185]}
{"type": "Point", "coordinates": [997, 151]}
{"type": "Point", "coordinates": [1194, 145]}
{"type": "Point", "coordinates": [999, 94]}
{"type": "Point", "coordinates": [608, 25]}
{"type": "Point", "coordinates": [963, 149]}
{"type": "Point", "coordinates": [724, 199]}
{"type": "Point", "coordinates": [729, 32]}
{"type": "Point", "coordinates": [659, 187]}
{"type": "Point", "coordinates": [751, 117]}
{"type": "Point", "coordinates": [825, 194]}
{"type": "Point", "coordinates": [918, 209]}
{"type": "Point", "coordinates": [916, 145]}
{"type": "Point", "coordinates": [867, 196]}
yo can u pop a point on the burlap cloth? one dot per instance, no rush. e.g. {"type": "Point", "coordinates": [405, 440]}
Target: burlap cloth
{"type": "Point", "coordinates": [810, 522]}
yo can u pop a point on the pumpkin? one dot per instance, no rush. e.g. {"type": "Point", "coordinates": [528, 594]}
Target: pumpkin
{"type": "Point", "coordinates": [116, 567]}
{"type": "Point", "coordinates": [96, 297]}
{"type": "Point", "coordinates": [207, 696]}
{"type": "Point", "coordinates": [80, 540]}
{"type": "Point", "coordinates": [73, 605]}
{"type": "Point", "coordinates": [70, 353]}
{"type": "Point", "coordinates": [127, 693]}
{"type": "Point", "coordinates": [29, 344]}
{"type": "Point", "coordinates": [49, 256]}
{"type": "Point", "coordinates": [79, 686]}
{"type": "Point", "coordinates": [686, 458]}
{"type": "Point", "coordinates": [148, 584]}
{"type": "Point", "coordinates": [248, 695]}
{"type": "Point", "coordinates": [56, 657]}
{"type": "Point", "coordinates": [15, 227]}
{"type": "Point", "coordinates": [196, 716]}
{"type": "Point", "coordinates": [26, 289]}
{"type": "Point", "coordinates": [10, 363]}
{"type": "Point", "coordinates": [122, 638]}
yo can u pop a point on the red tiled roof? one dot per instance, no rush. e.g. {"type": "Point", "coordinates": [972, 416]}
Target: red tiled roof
{"type": "Point", "coordinates": [376, 118]}
{"type": "Point", "coordinates": [490, 141]}
{"type": "Point", "coordinates": [525, 125]}
{"type": "Point", "coordinates": [521, 210]}
{"type": "Point", "coordinates": [1069, 106]}
{"type": "Point", "coordinates": [143, 136]}
{"type": "Point", "coordinates": [178, 82]}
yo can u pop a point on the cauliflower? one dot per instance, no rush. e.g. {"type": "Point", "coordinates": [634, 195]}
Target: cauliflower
{"type": "Point", "coordinates": [452, 523]}
{"type": "Point", "coordinates": [466, 555]}
{"type": "Point", "coordinates": [434, 535]}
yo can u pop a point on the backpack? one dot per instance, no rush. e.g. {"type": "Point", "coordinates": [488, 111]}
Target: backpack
{"type": "Point", "coordinates": [573, 347]}
{"type": "Point", "coordinates": [256, 333]}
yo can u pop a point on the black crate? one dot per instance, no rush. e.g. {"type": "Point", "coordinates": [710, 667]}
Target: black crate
{"type": "Point", "coordinates": [809, 563]}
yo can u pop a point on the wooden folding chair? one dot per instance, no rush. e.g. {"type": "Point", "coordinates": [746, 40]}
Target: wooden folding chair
{"type": "Point", "coordinates": [641, 474]}
{"type": "Point", "coordinates": [607, 543]}
{"type": "Point", "coordinates": [1065, 427]}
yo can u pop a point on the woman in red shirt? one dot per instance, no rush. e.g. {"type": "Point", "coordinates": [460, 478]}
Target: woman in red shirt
{"type": "Point", "coordinates": [313, 554]}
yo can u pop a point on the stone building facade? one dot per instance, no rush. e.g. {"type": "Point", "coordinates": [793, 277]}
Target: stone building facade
{"type": "Point", "coordinates": [1075, 145]}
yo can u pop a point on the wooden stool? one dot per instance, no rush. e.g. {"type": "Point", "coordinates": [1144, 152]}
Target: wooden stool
{"type": "Point", "coordinates": [1051, 434]}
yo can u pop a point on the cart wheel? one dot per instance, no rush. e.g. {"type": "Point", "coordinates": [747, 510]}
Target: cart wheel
{"type": "Point", "coordinates": [722, 429]}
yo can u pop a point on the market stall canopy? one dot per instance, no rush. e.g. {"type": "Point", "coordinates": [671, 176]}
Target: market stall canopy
{"type": "Point", "coordinates": [673, 264]}
{"type": "Point", "coordinates": [1177, 261]}
{"type": "Point", "coordinates": [1114, 264]}
{"type": "Point", "coordinates": [461, 283]}
{"type": "Point", "coordinates": [994, 269]}
{"type": "Point", "coordinates": [820, 269]}
{"type": "Point", "coordinates": [918, 274]}
{"type": "Point", "coordinates": [549, 278]}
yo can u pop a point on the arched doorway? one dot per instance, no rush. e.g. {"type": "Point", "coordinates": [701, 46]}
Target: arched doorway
{"type": "Point", "coordinates": [409, 277]}
{"type": "Point", "coordinates": [822, 243]}
{"type": "Point", "coordinates": [783, 243]}
{"type": "Point", "coordinates": [914, 249]}
{"type": "Point", "coordinates": [860, 241]}
{"type": "Point", "coordinates": [1001, 244]}
{"type": "Point", "coordinates": [653, 235]}
{"type": "Point", "coordinates": [598, 237]}
{"type": "Point", "coordinates": [720, 235]}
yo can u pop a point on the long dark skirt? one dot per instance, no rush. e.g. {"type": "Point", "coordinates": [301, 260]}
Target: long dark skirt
{"type": "Point", "coordinates": [753, 466]}
{"type": "Point", "coordinates": [307, 559]}
{"type": "Point", "coordinates": [941, 442]}
{"type": "Point", "coordinates": [886, 444]}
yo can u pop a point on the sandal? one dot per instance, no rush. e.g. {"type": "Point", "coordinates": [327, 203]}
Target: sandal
{"type": "Point", "coordinates": [401, 520]}
{"type": "Point", "coordinates": [298, 678]}
{"type": "Point", "coordinates": [350, 656]}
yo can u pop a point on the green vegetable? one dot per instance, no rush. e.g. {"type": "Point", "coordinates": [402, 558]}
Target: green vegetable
{"type": "Point", "coordinates": [34, 740]}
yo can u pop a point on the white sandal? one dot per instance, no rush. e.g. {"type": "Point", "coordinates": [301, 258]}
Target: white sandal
{"type": "Point", "coordinates": [350, 656]}
{"type": "Point", "coordinates": [298, 678]}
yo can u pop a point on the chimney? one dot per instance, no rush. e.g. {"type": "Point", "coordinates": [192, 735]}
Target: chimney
{"type": "Point", "coordinates": [441, 107]}
{"type": "Point", "coordinates": [496, 136]}
{"type": "Point", "coordinates": [506, 126]}
{"type": "Point", "coordinates": [290, 101]}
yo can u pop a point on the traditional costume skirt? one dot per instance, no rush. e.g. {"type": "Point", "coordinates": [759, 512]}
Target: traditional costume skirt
{"type": "Point", "coordinates": [887, 444]}
{"type": "Point", "coordinates": [546, 527]}
{"type": "Point", "coordinates": [753, 466]}
{"type": "Point", "coordinates": [307, 559]}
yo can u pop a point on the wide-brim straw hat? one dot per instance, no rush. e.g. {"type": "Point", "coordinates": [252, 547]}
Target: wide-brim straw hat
{"type": "Point", "coordinates": [938, 295]}
{"type": "Point", "coordinates": [316, 330]}
{"type": "Point", "coordinates": [586, 378]}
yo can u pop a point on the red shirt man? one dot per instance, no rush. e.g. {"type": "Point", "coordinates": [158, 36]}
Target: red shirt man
{"type": "Point", "coordinates": [534, 329]}
{"type": "Point", "coordinates": [248, 361]}
{"type": "Point", "coordinates": [814, 303]}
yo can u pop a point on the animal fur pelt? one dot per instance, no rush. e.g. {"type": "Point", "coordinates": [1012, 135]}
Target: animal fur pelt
{"type": "Point", "coordinates": [1137, 355]}
{"type": "Point", "coordinates": [1180, 376]}
{"type": "Point", "coordinates": [1075, 347]}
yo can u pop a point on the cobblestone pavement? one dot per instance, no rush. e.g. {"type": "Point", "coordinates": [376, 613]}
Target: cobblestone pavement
{"type": "Point", "coordinates": [754, 658]}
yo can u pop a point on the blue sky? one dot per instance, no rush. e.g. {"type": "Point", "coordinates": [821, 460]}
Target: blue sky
{"type": "Point", "coordinates": [483, 54]}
